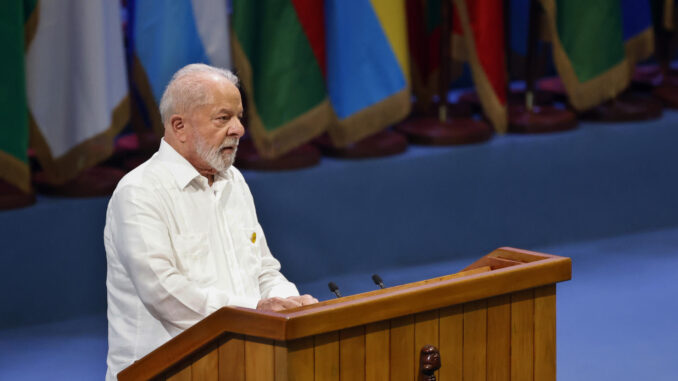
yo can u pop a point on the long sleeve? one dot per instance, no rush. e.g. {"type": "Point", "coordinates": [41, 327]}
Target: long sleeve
{"type": "Point", "coordinates": [271, 282]}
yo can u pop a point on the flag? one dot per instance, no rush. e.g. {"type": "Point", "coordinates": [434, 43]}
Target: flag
{"type": "Point", "coordinates": [367, 66]}
{"type": "Point", "coordinates": [279, 53]}
{"type": "Point", "coordinates": [164, 37]}
{"type": "Point", "coordinates": [14, 136]}
{"type": "Point", "coordinates": [76, 85]}
{"type": "Point", "coordinates": [481, 23]}
{"type": "Point", "coordinates": [423, 34]}
{"type": "Point", "coordinates": [596, 44]}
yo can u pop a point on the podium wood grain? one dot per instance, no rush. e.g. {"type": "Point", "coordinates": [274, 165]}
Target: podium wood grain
{"type": "Point", "coordinates": [451, 342]}
{"type": "Point", "coordinates": [327, 356]}
{"type": "Point", "coordinates": [499, 330]}
{"type": "Point", "coordinates": [377, 351]}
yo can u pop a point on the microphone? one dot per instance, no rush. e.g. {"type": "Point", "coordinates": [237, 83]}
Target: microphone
{"type": "Point", "coordinates": [377, 280]}
{"type": "Point", "coordinates": [334, 288]}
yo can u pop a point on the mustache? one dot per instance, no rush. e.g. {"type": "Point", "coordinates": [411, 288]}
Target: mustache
{"type": "Point", "coordinates": [229, 142]}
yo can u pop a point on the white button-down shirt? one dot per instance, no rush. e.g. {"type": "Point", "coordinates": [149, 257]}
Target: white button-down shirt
{"type": "Point", "coordinates": [178, 250]}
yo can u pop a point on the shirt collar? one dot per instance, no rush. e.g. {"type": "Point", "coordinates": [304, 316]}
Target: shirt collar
{"type": "Point", "coordinates": [183, 171]}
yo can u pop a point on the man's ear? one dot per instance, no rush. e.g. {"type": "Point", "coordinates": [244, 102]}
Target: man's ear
{"type": "Point", "coordinates": [178, 127]}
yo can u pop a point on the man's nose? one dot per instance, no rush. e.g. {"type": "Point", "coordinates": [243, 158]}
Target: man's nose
{"type": "Point", "coordinates": [236, 128]}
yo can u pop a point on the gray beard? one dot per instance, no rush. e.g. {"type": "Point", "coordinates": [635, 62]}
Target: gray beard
{"type": "Point", "coordinates": [213, 156]}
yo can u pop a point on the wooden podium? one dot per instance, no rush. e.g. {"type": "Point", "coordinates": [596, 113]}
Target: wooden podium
{"type": "Point", "coordinates": [495, 320]}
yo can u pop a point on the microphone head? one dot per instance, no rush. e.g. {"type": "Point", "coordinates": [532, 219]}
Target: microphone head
{"type": "Point", "coordinates": [335, 289]}
{"type": "Point", "coordinates": [377, 279]}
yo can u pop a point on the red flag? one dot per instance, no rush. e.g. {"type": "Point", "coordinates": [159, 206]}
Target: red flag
{"type": "Point", "coordinates": [480, 24]}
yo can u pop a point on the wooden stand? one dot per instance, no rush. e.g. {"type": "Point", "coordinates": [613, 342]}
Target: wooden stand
{"type": "Point", "coordinates": [12, 197]}
{"type": "Point", "coordinates": [383, 143]}
{"type": "Point", "coordinates": [93, 182]}
{"type": "Point", "coordinates": [626, 107]}
{"type": "Point", "coordinates": [301, 157]}
{"type": "Point", "coordinates": [667, 93]}
{"type": "Point", "coordinates": [540, 119]}
{"type": "Point", "coordinates": [496, 319]}
{"type": "Point", "coordinates": [455, 131]}
{"type": "Point", "coordinates": [515, 97]}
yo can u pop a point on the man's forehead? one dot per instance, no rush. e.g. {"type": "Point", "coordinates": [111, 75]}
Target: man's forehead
{"type": "Point", "coordinates": [225, 94]}
{"type": "Point", "coordinates": [237, 109]}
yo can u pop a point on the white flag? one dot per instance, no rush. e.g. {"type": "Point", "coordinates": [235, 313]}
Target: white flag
{"type": "Point", "coordinates": [77, 84]}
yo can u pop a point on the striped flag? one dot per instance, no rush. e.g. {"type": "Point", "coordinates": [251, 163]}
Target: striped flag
{"type": "Point", "coordinates": [367, 66]}
{"type": "Point", "coordinates": [76, 84]}
{"type": "Point", "coordinates": [13, 107]}
{"type": "Point", "coordinates": [279, 53]}
{"type": "Point", "coordinates": [481, 24]}
{"type": "Point", "coordinates": [165, 36]}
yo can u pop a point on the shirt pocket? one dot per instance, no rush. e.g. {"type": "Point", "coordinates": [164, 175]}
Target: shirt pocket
{"type": "Point", "coordinates": [194, 257]}
{"type": "Point", "coordinates": [248, 241]}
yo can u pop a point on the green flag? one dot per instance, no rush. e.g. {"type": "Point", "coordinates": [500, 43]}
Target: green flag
{"type": "Point", "coordinates": [588, 49]}
{"type": "Point", "coordinates": [14, 129]}
{"type": "Point", "coordinates": [278, 51]}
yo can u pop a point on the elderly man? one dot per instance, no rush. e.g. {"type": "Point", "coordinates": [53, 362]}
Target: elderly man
{"type": "Point", "coordinates": [182, 237]}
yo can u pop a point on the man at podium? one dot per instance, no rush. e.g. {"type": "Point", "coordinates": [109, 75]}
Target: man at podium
{"type": "Point", "coordinates": [182, 237]}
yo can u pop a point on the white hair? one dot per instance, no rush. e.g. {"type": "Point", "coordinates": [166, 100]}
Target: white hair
{"type": "Point", "coordinates": [186, 91]}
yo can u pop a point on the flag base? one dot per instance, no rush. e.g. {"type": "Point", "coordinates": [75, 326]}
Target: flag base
{"type": "Point", "coordinates": [540, 119]}
{"type": "Point", "coordinates": [667, 93]}
{"type": "Point", "coordinates": [553, 86]}
{"type": "Point", "coordinates": [647, 77]}
{"type": "Point", "coordinates": [541, 97]}
{"type": "Point", "coordinates": [303, 156]}
{"type": "Point", "coordinates": [12, 197]}
{"type": "Point", "coordinates": [663, 86]}
{"type": "Point", "coordinates": [626, 107]}
{"type": "Point", "coordinates": [93, 182]}
{"type": "Point", "coordinates": [454, 110]}
{"type": "Point", "coordinates": [457, 131]}
{"type": "Point", "coordinates": [383, 143]}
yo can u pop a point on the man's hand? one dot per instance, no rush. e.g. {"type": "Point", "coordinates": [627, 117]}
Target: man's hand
{"type": "Point", "coordinates": [304, 299]}
{"type": "Point", "coordinates": [279, 304]}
